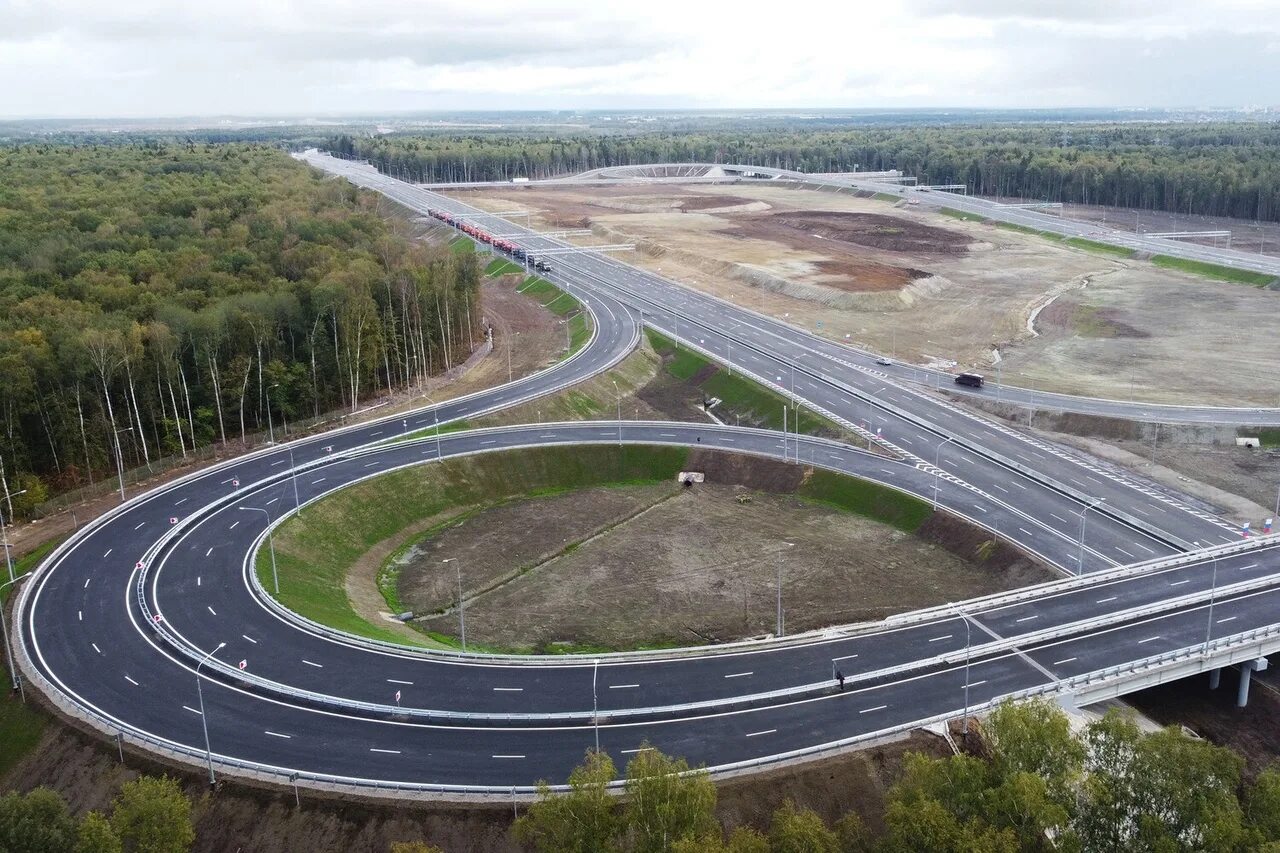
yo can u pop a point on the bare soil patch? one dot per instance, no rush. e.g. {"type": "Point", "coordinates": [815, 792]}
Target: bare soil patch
{"type": "Point", "coordinates": [876, 231]}
{"type": "Point", "coordinates": [1136, 331]}
{"type": "Point", "coordinates": [713, 202]}
{"type": "Point", "coordinates": [1252, 732]}
{"type": "Point", "coordinates": [659, 565]}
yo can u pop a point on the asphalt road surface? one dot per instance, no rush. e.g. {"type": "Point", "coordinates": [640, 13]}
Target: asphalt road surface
{"type": "Point", "coordinates": [325, 706]}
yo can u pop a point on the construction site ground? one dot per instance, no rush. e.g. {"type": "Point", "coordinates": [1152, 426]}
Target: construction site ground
{"type": "Point", "coordinates": [928, 288]}
{"type": "Point", "coordinates": [655, 565]}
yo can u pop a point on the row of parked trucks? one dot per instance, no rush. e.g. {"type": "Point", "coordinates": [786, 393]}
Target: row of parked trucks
{"type": "Point", "coordinates": [476, 233]}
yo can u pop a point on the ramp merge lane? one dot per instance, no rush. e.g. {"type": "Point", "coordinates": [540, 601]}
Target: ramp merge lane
{"type": "Point", "coordinates": [325, 706]}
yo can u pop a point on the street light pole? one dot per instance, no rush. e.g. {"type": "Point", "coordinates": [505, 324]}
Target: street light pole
{"type": "Point", "coordinates": [782, 626]}
{"type": "Point", "coordinates": [595, 702]}
{"type": "Point", "coordinates": [293, 471]}
{"type": "Point", "coordinates": [1080, 556]}
{"type": "Point", "coordinates": [618, 394]}
{"type": "Point", "coordinates": [937, 472]}
{"type": "Point", "coordinates": [204, 722]}
{"type": "Point", "coordinates": [462, 607]}
{"type": "Point", "coordinates": [8, 651]}
{"type": "Point", "coordinates": [4, 532]}
{"type": "Point", "coordinates": [271, 431]}
{"type": "Point", "coordinates": [120, 461]}
{"type": "Point", "coordinates": [968, 650]}
{"type": "Point", "coordinates": [271, 544]}
{"type": "Point", "coordinates": [1213, 590]}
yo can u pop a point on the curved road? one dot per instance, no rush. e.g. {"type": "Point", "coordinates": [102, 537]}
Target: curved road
{"type": "Point", "coordinates": [323, 706]}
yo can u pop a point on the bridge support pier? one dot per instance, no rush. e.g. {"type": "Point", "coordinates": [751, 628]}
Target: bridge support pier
{"type": "Point", "coordinates": [1215, 676]}
{"type": "Point", "coordinates": [1246, 674]}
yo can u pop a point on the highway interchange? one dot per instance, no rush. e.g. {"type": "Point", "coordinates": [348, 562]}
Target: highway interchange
{"type": "Point", "coordinates": [324, 706]}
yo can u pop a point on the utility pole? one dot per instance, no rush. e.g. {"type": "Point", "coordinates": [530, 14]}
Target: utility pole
{"type": "Point", "coordinates": [204, 722]}
{"type": "Point", "coordinates": [462, 613]}
{"type": "Point", "coordinates": [271, 544]}
{"type": "Point", "coordinates": [120, 461]}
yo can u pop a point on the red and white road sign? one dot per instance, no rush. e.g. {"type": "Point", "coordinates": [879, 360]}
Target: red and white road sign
{"type": "Point", "coordinates": [173, 519]}
{"type": "Point", "coordinates": [243, 664]}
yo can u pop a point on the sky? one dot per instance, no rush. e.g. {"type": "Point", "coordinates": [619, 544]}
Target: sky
{"type": "Point", "coordinates": [149, 58]}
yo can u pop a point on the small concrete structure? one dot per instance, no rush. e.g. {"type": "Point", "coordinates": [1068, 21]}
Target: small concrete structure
{"type": "Point", "coordinates": [1247, 669]}
{"type": "Point", "coordinates": [1248, 441]}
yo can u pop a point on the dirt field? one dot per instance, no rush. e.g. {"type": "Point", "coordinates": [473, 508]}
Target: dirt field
{"type": "Point", "coordinates": [654, 565]}
{"type": "Point", "coordinates": [87, 773]}
{"type": "Point", "coordinates": [928, 288]}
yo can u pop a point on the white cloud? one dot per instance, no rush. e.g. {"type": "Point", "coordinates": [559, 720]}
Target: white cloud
{"type": "Point", "coordinates": [158, 57]}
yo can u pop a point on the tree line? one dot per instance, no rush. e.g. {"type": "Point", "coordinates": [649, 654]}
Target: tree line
{"type": "Point", "coordinates": [155, 299]}
{"type": "Point", "coordinates": [1037, 786]}
{"type": "Point", "coordinates": [1211, 168]}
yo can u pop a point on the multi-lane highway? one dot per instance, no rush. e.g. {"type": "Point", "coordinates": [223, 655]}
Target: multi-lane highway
{"type": "Point", "coordinates": [116, 624]}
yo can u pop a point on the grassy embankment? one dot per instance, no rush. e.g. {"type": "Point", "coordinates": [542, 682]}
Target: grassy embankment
{"type": "Point", "coordinates": [1216, 271]}
{"type": "Point", "coordinates": [961, 215]}
{"type": "Point", "coordinates": [20, 725]}
{"type": "Point", "coordinates": [751, 402]}
{"type": "Point", "coordinates": [1099, 248]}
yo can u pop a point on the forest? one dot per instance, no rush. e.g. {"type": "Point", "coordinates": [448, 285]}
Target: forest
{"type": "Point", "coordinates": [156, 299]}
{"type": "Point", "coordinates": [1209, 168]}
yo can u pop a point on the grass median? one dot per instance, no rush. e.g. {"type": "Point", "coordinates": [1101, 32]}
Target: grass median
{"type": "Point", "coordinates": [1215, 271]}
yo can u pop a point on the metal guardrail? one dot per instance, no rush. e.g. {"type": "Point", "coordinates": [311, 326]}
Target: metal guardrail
{"type": "Point", "coordinates": [1265, 638]}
